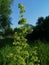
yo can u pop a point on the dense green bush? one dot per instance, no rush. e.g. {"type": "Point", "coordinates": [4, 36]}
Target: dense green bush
{"type": "Point", "coordinates": [20, 53]}
{"type": "Point", "coordinates": [43, 52]}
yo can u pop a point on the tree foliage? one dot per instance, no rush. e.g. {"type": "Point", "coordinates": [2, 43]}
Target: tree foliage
{"type": "Point", "coordinates": [5, 12]}
{"type": "Point", "coordinates": [41, 30]}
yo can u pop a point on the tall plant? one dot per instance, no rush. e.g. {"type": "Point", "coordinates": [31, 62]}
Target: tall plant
{"type": "Point", "coordinates": [22, 11]}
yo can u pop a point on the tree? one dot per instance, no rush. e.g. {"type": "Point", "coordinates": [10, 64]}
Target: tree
{"type": "Point", "coordinates": [5, 12]}
{"type": "Point", "coordinates": [41, 30]}
{"type": "Point", "coordinates": [43, 27]}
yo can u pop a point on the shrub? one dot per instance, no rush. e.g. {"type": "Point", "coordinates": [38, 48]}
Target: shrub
{"type": "Point", "coordinates": [20, 53]}
{"type": "Point", "coordinates": [43, 52]}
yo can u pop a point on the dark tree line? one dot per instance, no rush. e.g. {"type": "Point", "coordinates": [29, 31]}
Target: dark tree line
{"type": "Point", "coordinates": [5, 11]}
{"type": "Point", "coordinates": [41, 30]}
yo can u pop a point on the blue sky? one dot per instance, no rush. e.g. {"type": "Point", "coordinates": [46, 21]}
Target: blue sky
{"type": "Point", "coordinates": [34, 9]}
